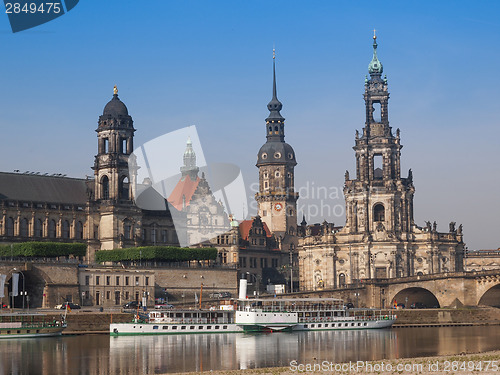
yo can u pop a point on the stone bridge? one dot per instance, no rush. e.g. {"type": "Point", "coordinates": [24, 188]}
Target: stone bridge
{"type": "Point", "coordinates": [436, 290]}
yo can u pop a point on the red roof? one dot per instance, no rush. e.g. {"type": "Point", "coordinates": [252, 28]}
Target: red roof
{"type": "Point", "coordinates": [245, 227]}
{"type": "Point", "coordinates": [184, 188]}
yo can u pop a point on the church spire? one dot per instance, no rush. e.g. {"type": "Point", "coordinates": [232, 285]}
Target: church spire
{"type": "Point", "coordinates": [375, 67]}
{"type": "Point", "coordinates": [274, 105]}
{"type": "Point", "coordinates": [189, 167]}
{"type": "Point", "coordinates": [275, 123]}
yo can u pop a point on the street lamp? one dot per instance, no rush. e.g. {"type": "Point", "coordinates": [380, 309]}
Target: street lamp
{"type": "Point", "coordinates": [291, 268]}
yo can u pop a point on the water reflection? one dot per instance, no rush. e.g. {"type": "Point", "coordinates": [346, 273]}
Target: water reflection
{"type": "Point", "coordinates": [98, 354]}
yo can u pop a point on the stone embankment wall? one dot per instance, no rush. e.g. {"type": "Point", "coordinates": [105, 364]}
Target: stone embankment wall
{"type": "Point", "coordinates": [187, 282]}
{"type": "Point", "coordinates": [486, 315]}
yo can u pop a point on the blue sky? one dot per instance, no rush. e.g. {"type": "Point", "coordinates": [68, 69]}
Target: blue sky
{"type": "Point", "coordinates": [209, 63]}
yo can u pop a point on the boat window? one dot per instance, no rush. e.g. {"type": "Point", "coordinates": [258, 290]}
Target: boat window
{"type": "Point", "coordinates": [174, 327]}
{"type": "Point", "coordinates": [200, 327]}
{"type": "Point", "coordinates": [217, 327]}
{"type": "Point", "coordinates": [305, 325]}
{"type": "Point", "coordinates": [8, 332]}
{"type": "Point", "coordinates": [365, 324]}
{"type": "Point", "coordinates": [165, 327]}
{"type": "Point", "coordinates": [209, 327]}
{"type": "Point", "coordinates": [192, 327]}
{"type": "Point", "coordinates": [319, 325]}
{"type": "Point", "coordinates": [224, 327]}
{"type": "Point", "coordinates": [18, 331]}
{"type": "Point", "coordinates": [38, 331]}
{"type": "Point", "coordinates": [187, 315]}
{"type": "Point", "coordinates": [178, 315]}
{"type": "Point", "coordinates": [155, 327]}
{"type": "Point", "coordinates": [359, 324]}
{"type": "Point", "coordinates": [183, 327]}
{"type": "Point", "coordinates": [326, 325]}
{"type": "Point", "coordinates": [312, 325]}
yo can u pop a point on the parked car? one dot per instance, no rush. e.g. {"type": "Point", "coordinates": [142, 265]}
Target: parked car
{"type": "Point", "coordinates": [417, 305]}
{"type": "Point", "coordinates": [220, 295]}
{"type": "Point", "coordinates": [165, 306]}
{"type": "Point", "coordinates": [132, 305]}
{"type": "Point", "coordinates": [71, 305]}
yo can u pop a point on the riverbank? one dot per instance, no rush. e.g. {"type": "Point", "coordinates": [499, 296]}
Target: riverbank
{"type": "Point", "coordinates": [472, 363]}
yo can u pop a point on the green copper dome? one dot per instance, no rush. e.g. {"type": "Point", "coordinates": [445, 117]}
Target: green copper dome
{"type": "Point", "coordinates": [375, 66]}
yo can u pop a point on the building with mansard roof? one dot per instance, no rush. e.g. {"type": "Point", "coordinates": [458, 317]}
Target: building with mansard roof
{"type": "Point", "coordinates": [380, 238]}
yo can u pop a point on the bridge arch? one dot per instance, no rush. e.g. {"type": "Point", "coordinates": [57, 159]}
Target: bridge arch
{"type": "Point", "coordinates": [32, 281]}
{"type": "Point", "coordinates": [491, 297]}
{"type": "Point", "coordinates": [414, 294]}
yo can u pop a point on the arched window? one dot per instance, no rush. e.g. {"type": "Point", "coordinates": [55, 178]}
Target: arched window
{"type": "Point", "coordinates": [127, 229]}
{"type": "Point", "coordinates": [79, 230]}
{"type": "Point", "coordinates": [38, 228]}
{"type": "Point", "coordinates": [65, 229]}
{"type": "Point", "coordinates": [105, 188]}
{"type": "Point", "coordinates": [124, 188]}
{"type": "Point", "coordinates": [342, 280]}
{"type": "Point", "coordinates": [52, 229]}
{"type": "Point", "coordinates": [9, 227]}
{"type": "Point", "coordinates": [379, 212]}
{"type": "Point", "coordinates": [23, 230]}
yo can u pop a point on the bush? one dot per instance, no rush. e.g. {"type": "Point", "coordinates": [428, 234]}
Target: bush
{"type": "Point", "coordinates": [43, 249]}
{"type": "Point", "coordinates": [157, 253]}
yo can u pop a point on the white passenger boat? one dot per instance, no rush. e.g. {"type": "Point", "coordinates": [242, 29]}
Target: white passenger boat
{"type": "Point", "coordinates": [14, 326]}
{"type": "Point", "coordinates": [179, 321]}
{"type": "Point", "coordinates": [307, 314]}
{"type": "Point", "coordinates": [255, 315]}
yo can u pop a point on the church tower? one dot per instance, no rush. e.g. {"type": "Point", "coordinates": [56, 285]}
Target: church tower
{"type": "Point", "coordinates": [112, 181]}
{"type": "Point", "coordinates": [115, 135]}
{"type": "Point", "coordinates": [277, 198]}
{"type": "Point", "coordinates": [379, 202]}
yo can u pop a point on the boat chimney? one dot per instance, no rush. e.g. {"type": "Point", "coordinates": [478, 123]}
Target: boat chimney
{"type": "Point", "coordinates": [243, 289]}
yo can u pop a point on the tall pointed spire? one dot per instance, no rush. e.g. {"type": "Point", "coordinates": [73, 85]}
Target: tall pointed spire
{"type": "Point", "coordinates": [274, 105]}
{"type": "Point", "coordinates": [375, 67]}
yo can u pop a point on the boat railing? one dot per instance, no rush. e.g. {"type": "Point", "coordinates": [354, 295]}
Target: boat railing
{"type": "Point", "coordinates": [193, 320]}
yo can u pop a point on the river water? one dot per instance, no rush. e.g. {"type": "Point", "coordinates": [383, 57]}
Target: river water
{"type": "Point", "coordinates": [102, 354]}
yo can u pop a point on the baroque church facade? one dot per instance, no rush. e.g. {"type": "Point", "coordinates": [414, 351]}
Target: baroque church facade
{"type": "Point", "coordinates": [380, 238]}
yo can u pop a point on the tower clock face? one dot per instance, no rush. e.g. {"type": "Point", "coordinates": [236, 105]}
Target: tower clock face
{"type": "Point", "coordinates": [278, 206]}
